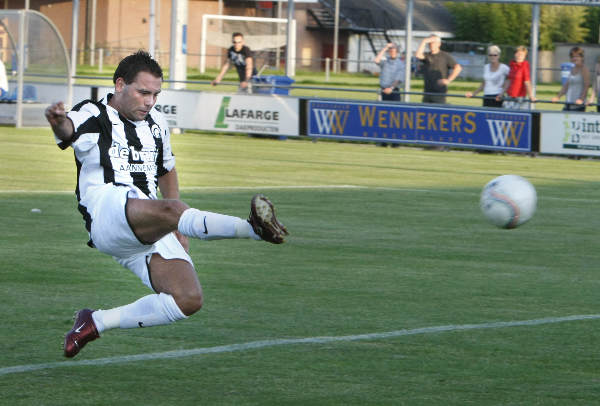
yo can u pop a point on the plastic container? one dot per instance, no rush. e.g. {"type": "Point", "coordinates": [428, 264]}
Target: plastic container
{"type": "Point", "coordinates": [274, 81]}
{"type": "Point", "coordinates": [565, 69]}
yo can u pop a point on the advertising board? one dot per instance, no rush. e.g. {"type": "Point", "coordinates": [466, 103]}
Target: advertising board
{"type": "Point", "coordinates": [270, 114]}
{"type": "Point", "coordinates": [570, 134]}
{"type": "Point", "coordinates": [493, 129]}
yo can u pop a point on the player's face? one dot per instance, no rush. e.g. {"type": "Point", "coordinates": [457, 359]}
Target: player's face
{"type": "Point", "coordinates": [137, 98]}
{"type": "Point", "coordinates": [393, 53]}
{"type": "Point", "coordinates": [238, 43]}
{"type": "Point", "coordinates": [520, 56]}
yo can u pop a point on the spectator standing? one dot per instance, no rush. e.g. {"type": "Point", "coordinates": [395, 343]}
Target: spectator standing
{"type": "Point", "coordinates": [494, 75]}
{"type": "Point", "coordinates": [596, 85]}
{"type": "Point", "coordinates": [240, 56]}
{"type": "Point", "coordinates": [577, 84]}
{"type": "Point", "coordinates": [437, 65]}
{"type": "Point", "coordinates": [518, 83]}
{"type": "Point", "coordinates": [392, 72]}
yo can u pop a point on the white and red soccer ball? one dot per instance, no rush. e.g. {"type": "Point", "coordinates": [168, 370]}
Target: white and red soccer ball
{"type": "Point", "coordinates": [508, 201]}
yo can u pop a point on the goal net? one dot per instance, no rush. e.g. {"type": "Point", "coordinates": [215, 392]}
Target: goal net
{"type": "Point", "coordinates": [266, 37]}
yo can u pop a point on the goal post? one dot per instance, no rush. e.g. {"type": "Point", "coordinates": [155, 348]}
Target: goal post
{"type": "Point", "coordinates": [262, 35]}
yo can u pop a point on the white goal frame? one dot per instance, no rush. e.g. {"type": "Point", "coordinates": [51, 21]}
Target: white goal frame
{"type": "Point", "coordinates": [292, 35]}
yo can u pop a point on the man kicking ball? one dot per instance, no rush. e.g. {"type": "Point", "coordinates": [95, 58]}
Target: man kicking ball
{"type": "Point", "coordinates": [123, 155]}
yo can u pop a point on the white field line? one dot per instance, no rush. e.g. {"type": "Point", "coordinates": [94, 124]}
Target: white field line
{"type": "Point", "coordinates": [300, 187]}
{"type": "Point", "coordinates": [291, 341]}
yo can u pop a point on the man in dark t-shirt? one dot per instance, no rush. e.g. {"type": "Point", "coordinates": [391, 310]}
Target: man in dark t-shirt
{"type": "Point", "coordinates": [240, 56]}
{"type": "Point", "coordinates": [436, 69]}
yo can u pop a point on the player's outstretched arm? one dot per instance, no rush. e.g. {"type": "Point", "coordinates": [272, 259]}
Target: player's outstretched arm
{"type": "Point", "coordinates": [61, 124]}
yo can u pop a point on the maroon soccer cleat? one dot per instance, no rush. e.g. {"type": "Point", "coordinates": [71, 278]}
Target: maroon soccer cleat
{"type": "Point", "coordinates": [83, 331]}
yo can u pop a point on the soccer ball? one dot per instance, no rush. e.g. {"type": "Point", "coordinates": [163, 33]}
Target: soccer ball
{"type": "Point", "coordinates": [508, 201]}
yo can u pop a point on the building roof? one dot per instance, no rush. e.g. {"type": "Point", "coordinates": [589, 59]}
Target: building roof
{"type": "Point", "coordinates": [377, 15]}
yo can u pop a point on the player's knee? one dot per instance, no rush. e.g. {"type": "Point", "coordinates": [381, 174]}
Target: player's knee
{"type": "Point", "coordinates": [190, 302]}
{"type": "Point", "coordinates": [173, 208]}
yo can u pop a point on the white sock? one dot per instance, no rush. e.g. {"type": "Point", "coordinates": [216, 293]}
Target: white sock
{"type": "Point", "coordinates": [211, 226]}
{"type": "Point", "coordinates": [151, 310]}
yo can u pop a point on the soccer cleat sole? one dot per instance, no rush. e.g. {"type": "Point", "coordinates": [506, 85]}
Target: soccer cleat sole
{"type": "Point", "coordinates": [268, 227]}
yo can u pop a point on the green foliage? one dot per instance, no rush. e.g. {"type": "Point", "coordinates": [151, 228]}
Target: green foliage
{"type": "Point", "coordinates": [492, 22]}
{"type": "Point", "coordinates": [510, 24]}
{"type": "Point", "coordinates": [592, 23]}
{"type": "Point", "coordinates": [561, 24]}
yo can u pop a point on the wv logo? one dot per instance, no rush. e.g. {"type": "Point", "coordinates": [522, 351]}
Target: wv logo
{"type": "Point", "coordinates": [331, 121]}
{"type": "Point", "coordinates": [506, 133]}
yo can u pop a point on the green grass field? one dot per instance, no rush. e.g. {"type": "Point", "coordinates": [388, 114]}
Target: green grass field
{"type": "Point", "coordinates": [382, 241]}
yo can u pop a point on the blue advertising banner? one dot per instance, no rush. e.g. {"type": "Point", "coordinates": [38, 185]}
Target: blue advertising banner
{"type": "Point", "coordinates": [495, 129]}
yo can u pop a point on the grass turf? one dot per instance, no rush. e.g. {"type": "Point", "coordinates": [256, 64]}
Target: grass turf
{"type": "Point", "coordinates": [381, 240]}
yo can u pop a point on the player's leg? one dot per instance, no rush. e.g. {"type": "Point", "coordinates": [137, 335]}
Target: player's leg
{"type": "Point", "coordinates": [168, 270]}
{"type": "Point", "coordinates": [178, 295]}
{"type": "Point", "coordinates": [185, 298]}
{"type": "Point", "coordinates": [150, 220]}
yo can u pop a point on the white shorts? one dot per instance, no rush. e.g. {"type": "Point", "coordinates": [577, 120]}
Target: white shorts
{"type": "Point", "coordinates": [112, 234]}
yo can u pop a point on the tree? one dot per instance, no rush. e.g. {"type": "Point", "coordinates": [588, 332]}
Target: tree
{"type": "Point", "coordinates": [510, 24]}
{"type": "Point", "coordinates": [591, 22]}
{"type": "Point", "coordinates": [561, 24]}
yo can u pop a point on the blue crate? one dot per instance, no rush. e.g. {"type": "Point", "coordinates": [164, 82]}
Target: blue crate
{"type": "Point", "coordinates": [274, 81]}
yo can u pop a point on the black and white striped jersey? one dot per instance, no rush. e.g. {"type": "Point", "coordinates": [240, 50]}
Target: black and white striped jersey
{"type": "Point", "coordinates": [109, 148]}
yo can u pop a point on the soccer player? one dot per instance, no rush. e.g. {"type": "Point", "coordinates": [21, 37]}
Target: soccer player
{"type": "Point", "coordinates": [123, 155]}
{"type": "Point", "coordinates": [240, 56]}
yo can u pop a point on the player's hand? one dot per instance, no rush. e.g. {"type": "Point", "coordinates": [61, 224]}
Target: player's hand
{"type": "Point", "coordinates": [499, 97]}
{"type": "Point", "coordinates": [443, 82]}
{"type": "Point", "coordinates": [579, 101]}
{"type": "Point", "coordinates": [183, 240]}
{"type": "Point", "coordinates": [214, 82]}
{"type": "Point", "coordinates": [56, 114]}
{"type": "Point", "coordinates": [387, 90]}
{"type": "Point", "coordinates": [469, 94]}
{"type": "Point", "coordinates": [244, 84]}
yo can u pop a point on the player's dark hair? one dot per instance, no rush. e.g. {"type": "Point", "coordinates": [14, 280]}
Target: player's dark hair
{"type": "Point", "coordinates": [237, 34]}
{"type": "Point", "coordinates": [133, 64]}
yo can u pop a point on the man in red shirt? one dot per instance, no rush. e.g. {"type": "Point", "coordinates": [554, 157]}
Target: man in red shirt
{"type": "Point", "coordinates": [518, 83]}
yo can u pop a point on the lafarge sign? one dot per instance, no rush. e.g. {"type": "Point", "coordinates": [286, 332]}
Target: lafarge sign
{"type": "Point", "coordinates": [261, 114]}
{"type": "Point", "coordinates": [247, 114]}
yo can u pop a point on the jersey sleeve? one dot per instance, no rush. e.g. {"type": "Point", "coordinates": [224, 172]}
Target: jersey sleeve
{"type": "Point", "coordinates": [167, 163]}
{"type": "Point", "coordinates": [85, 121]}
